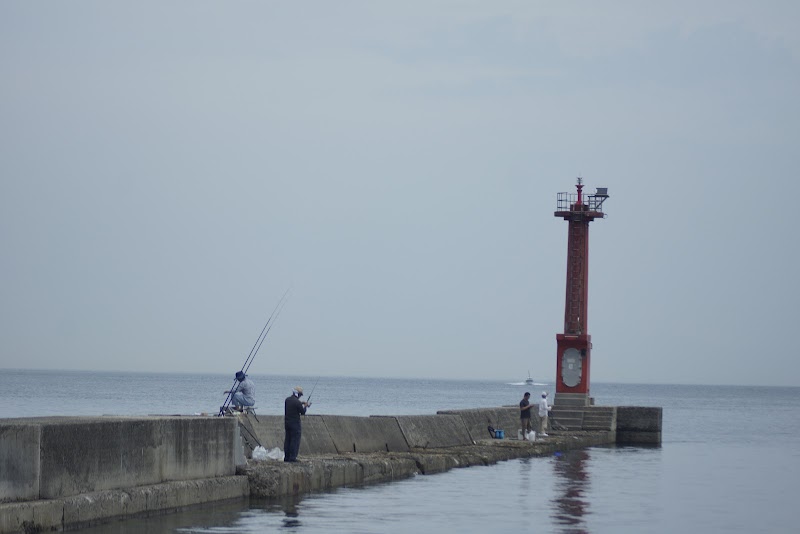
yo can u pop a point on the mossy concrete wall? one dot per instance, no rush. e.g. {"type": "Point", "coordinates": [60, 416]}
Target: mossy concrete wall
{"type": "Point", "coordinates": [639, 425]}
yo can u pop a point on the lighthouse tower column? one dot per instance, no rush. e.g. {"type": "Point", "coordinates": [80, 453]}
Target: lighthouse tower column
{"type": "Point", "coordinates": [574, 346]}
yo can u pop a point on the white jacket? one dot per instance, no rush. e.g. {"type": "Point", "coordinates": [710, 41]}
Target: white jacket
{"type": "Point", "coordinates": [543, 407]}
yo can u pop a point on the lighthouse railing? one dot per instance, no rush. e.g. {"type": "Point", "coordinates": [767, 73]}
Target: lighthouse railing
{"type": "Point", "coordinates": [568, 202]}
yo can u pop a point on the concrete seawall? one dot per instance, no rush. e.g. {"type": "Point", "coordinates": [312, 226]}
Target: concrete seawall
{"type": "Point", "coordinates": [638, 425]}
{"type": "Point", "coordinates": [64, 472]}
{"type": "Point", "coordinates": [315, 473]}
{"type": "Point", "coordinates": [60, 472]}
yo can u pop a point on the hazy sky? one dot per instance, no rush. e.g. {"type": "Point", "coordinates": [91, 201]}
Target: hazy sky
{"type": "Point", "coordinates": [169, 169]}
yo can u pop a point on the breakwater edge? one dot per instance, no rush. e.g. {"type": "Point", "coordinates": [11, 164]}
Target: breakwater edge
{"type": "Point", "coordinates": [66, 472]}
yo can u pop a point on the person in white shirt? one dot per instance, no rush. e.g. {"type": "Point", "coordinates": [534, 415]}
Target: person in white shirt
{"type": "Point", "coordinates": [543, 409]}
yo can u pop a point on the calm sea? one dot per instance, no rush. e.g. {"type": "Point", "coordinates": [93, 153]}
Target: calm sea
{"type": "Point", "coordinates": [729, 462]}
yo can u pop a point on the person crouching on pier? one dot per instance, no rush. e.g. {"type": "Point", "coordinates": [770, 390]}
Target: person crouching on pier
{"type": "Point", "coordinates": [293, 409]}
{"type": "Point", "coordinates": [525, 415]}
{"type": "Point", "coordinates": [244, 393]}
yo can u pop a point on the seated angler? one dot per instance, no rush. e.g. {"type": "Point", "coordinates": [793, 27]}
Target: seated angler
{"type": "Point", "coordinates": [244, 393]}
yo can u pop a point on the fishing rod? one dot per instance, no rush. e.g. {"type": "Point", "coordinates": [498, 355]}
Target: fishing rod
{"type": "Point", "coordinates": [308, 401]}
{"type": "Point", "coordinates": [245, 369]}
{"type": "Point", "coordinates": [264, 332]}
{"type": "Point", "coordinates": [253, 351]}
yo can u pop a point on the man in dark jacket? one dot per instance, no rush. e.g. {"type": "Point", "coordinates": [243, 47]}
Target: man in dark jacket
{"type": "Point", "coordinates": [525, 415]}
{"type": "Point", "coordinates": [293, 409]}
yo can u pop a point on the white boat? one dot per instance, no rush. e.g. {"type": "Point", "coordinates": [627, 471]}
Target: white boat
{"type": "Point", "coordinates": [529, 380]}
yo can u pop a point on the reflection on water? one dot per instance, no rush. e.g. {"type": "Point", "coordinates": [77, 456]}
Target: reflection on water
{"type": "Point", "coordinates": [222, 516]}
{"type": "Point", "coordinates": [291, 521]}
{"type": "Point", "coordinates": [288, 506]}
{"type": "Point", "coordinates": [571, 484]}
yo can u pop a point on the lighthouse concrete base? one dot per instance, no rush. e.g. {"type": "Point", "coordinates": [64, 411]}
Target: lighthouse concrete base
{"type": "Point", "coordinates": [572, 400]}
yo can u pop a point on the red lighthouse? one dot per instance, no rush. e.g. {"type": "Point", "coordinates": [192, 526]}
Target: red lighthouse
{"type": "Point", "coordinates": [574, 346]}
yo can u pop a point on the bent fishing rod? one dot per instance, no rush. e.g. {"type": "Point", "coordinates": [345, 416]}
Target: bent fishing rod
{"type": "Point", "coordinates": [253, 351]}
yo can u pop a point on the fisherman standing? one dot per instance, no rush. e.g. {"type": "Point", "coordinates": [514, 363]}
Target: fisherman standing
{"type": "Point", "coordinates": [244, 393]}
{"type": "Point", "coordinates": [525, 415]}
{"type": "Point", "coordinates": [543, 410]}
{"type": "Point", "coordinates": [293, 409]}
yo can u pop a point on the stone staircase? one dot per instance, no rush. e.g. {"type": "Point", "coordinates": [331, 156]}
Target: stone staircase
{"type": "Point", "coordinates": [600, 418]}
{"type": "Point", "coordinates": [577, 412]}
{"type": "Point", "coordinates": [569, 418]}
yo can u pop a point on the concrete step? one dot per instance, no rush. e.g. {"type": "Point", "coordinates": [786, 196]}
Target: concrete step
{"type": "Point", "coordinates": [570, 418]}
{"type": "Point", "coordinates": [569, 425]}
{"type": "Point", "coordinates": [575, 400]}
{"type": "Point", "coordinates": [599, 418]}
{"type": "Point", "coordinates": [585, 417]}
{"type": "Point", "coordinates": [567, 415]}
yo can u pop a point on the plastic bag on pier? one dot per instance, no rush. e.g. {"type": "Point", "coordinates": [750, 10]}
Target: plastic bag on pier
{"type": "Point", "coordinates": [276, 454]}
{"type": "Point", "coordinates": [260, 453]}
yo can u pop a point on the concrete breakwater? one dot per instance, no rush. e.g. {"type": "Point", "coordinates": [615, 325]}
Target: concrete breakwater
{"type": "Point", "coordinates": [271, 479]}
{"type": "Point", "coordinates": [57, 473]}
{"type": "Point", "coordinates": [64, 472]}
